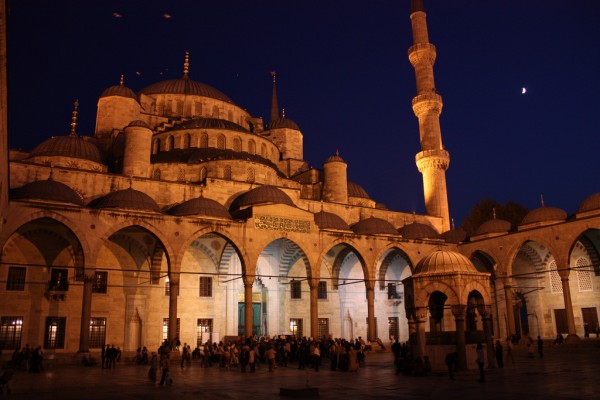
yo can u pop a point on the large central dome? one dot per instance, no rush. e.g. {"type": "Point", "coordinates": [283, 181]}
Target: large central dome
{"type": "Point", "coordinates": [185, 86]}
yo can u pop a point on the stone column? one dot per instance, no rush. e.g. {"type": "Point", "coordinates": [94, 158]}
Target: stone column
{"type": "Point", "coordinates": [314, 307]}
{"type": "Point", "coordinates": [486, 315]}
{"type": "Point", "coordinates": [248, 314]}
{"type": "Point", "coordinates": [86, 310]}
{"type": "Point", "coordinates": [173, 292]}
{"type": "Point", "coordinates": [510, 312]}
{"type": "Point", "coordinates": [564, 278]}
{"type": "Point", "coordinates": [420, 318]}
{"type": "Point", "coordinates": [461, 348]}
{"type": "Point", "coordinates": [372, 333]}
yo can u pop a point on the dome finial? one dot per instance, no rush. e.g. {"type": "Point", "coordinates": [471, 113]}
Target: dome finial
{"type": "Point", "coordinates": [494, 213]}
{"type": "Point", "coordinates": [452, 222]}
{"type": "Point", "coordinates": [274, 106]}
{"type": "Point", "coordinates": [122, 80]}
{"type": "Point", "coordinates": [282, 113]}
{"type": "Point", "coordinates": [74, 119]}
{"type": "Point", "coordinates": [186, 64]}
{"type": "Point", "coordinates": [542, 198]}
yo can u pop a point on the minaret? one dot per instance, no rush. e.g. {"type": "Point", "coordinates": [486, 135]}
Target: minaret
{"type": "Point", "coordinates": [274, 106]}
{"type": "Point", "coordinates": [4, 168]}
{"type": "Point", "coordinates": [433, 160]}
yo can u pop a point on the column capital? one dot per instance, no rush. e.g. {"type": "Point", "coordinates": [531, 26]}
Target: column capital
{"type": "Point", "coordinates": [248, 280]}
{"type": "Point", "coordinates": [458, 310]}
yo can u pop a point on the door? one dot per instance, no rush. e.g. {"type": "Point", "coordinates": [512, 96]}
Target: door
{"type": "Point", "coordinates": [256, 313]}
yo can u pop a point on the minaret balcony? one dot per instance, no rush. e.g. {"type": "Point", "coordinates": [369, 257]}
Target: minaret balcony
{"type": "Point", "coordinates": [420, 52]}
{"type": "Point", "coordinates": [426, 102]}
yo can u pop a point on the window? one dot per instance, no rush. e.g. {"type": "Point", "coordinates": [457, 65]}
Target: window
{"type": "Point", "coordinates": [393, 328]}
{"type": "Point", "coordinates": [237, 144]}
{"type": "Point", "coordinates": [250, 175]}
{"type": "Point", "coordinates": [206, 286]}
{"type": "Point", "coordinates": [203, 140]}
{"type": "Point", "coordinates": [296, 289]}
{"type": "Point", "coordinates": [323, 328]}
{"type": "Point", "coordinates": [170, 143]}
{"type": "Point", "coordinates": [584, 275]}
{"type": "Point", "coordinates": [215, 112]}
{"type": "Point", "coordinates": [156, 174]}
{"type": "Point", "coordinates": [263, 150]}
{"type": "Point", "coordinates": [166, 329]}
{"type": "Point", "coordinates": [16, 278]}
{"type": "Point", "coordinates": [168, 287]}
{"type": "Point", "coordinates": [198, 108]}
{"type": "Point", "coordinates": [296, 327]}
{"type": "Point", "coordinates": [251, 147]}
{"type": "Point", "coordinates": [186, 141]}
{"type": "Point", "coordinates": [392, 291]}
{"type": "Point", "coordinates": [227, 172]}
{"type": "Point", "coordinates": [55, 332]}
{"type": "Point", "coordinates": [322, 291]}
{"type": "Point", "coordinates": [179, 110]}
{"type": "Point", "coordinates": [59, 280]}
{"type": "Point", "coordinates": [555, 281]}
{"type": "Point", "coordinates": [221, 142]}
{"type": "Point", "coordinates": [97, 332]}
{"type": "Point", "coordinates": [156, 146]}
{"type": "Point", "coordinates": [181, 175]}
{"type": "Point", "coordinates": [100, 282]}
{"type": "Point", "coordinates": [205, 328]}
{"type": "Point", "coordinates": [11, 330]}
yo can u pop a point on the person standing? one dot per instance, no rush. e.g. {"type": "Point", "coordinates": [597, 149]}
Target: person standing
{"type": "Point", "coordinates": [103, 355]}
{"type": "Point", "coordinates": [540, 346]}
{"type": "Point", "coordinates": [451, 359]}
{"type": "Point", "coordinates": [270, 355]}
{"type": "Point", "coordinates": [480, 361]}
{"type": "Point", "coordinates": [153, 367]}
{"type": "Point", "coordinates": [499, 354]}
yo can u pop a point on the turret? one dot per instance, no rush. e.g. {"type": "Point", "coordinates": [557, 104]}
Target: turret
{"type": "Point", "coordinates": [138, 143]}
{"type": "Point", "coordinates": [433, 160]}
{"type": "Point", "coordinates": [335, 180]}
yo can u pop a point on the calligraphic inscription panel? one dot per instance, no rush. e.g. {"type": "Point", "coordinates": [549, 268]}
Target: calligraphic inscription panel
{"type": "Point", "coordinates": [281, 224]}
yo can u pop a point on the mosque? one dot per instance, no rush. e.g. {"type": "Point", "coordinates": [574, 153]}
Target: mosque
{"type": "Point", "coordinates": [183, 216]}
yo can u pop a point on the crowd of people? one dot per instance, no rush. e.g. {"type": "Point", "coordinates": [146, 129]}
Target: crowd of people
{"type": "Point", "coordinates": [28, 359]}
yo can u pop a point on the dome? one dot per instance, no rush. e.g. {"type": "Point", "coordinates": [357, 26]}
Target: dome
{"type": "Point", "coordinates": [444, 262]}
{"type": "Point", "coordinates": [374, 226]}
{"type": "Point", "coordinates": [590, 203]}
{"type": "Point", "coordinates": [139, 123]}
{"type": "Point", "coordinates": [69, 146]}
{"type": "Point", "coordinates": [47, 190]}
{"type": "Point", "coordinates": [262, 195]}
{"type": "Point", "coordinates": [283, 123]}
{"type": "Point", "coordinates": [544, 214]}
{"type": "Point", "coordinates": [455, 236]}
{"type": "Point", "coordinates": [200, 206]}
{"type": "Point", "coordinates": [418, 231]}
{"type": "Point", "coordinates": [494, 226]}
{"type": "Point", "coordinates": [327, 220]}
{"type": "Point", "coordinates": [119, 90]}
{"type": "Point", "coordinates": [185, 86]}
{"type": "Point", "coordinates": [337, 158]}
{"type": "Point", "coordinates": [208, 123]}
{"type": "Point", "coordinates": [355, 190]}
{"type": "Point", "coordinates": [128, 198]}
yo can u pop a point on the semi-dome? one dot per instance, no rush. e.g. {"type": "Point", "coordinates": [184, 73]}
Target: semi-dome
{"type": "Point", "coordinates": [417, 230]}
{"type": "Point", "coordinates": [284, 123]}
{"type": "Point", "coordinates": [208, 123]}
{"type": "Point", "coordinates": [262, 195]}
{"type": "Point", "coordinates": [544, 214]}
{"type": "Point", "coordinates": [69, 146]}
{"type": "Point", "coordinates": [140, 123]}
{"type": "Point", "coordinates": [374, 226]}
{"type": "Point", "coordinates": [119, 90]}
{"type": "Point", "coordinates": [200, 206]}
{"type": "Point", "coordinates": [590, 203]}
{"type": "Point", "coordinates": [48, 189]}
{"type": "Point", "coordinates": [355, 190]}
{"type": "Point", "coordinates": [185, 86]}
{"type": "Point", "coordinates": [493, 226]}
{"type": "Point", "coordinates": [455, 236]}
{"type": "Point", "coordinates": [444, 262]}
{"type": "Point", "coordinates": [327, 220]}
{"type": "Point", "coordinates": [127, 198]}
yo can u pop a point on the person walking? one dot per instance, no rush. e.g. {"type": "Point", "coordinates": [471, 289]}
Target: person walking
{"type": "Point", "coordinates": [480, 361]}
{"type": "Point", "coordinates": [540, 346]}
{"type": "Point", "coordinates": [499, 354]}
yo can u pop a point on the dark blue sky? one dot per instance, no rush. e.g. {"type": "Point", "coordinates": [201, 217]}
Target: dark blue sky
{"type": "Point", "coordinates": [344, 77]}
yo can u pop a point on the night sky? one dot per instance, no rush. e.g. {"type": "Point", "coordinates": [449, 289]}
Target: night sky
{"type": "Point", "coordinates": [345, 79]}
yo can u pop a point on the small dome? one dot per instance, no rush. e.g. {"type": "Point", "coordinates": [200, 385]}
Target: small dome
{"type": "Point", "coordinates": [129, 199]}
{"type": "Point", "coordinates": [355, 190]}
{"type": "Point", "coordinates": [336, 158]}
{"type": "Point", "coordinates": [374, 226]}
{"type": "Point", "coordinates": [285, 123]}
{"type": "Point", "coordinates": [327, 220]}
{"type": "Point", "coordinates": [119, 90]}
{"type": "Point", "coordinates": [590, 203]}
{"type": "Point", "coordinates": [185, 86]}
{"type": "Point", "coordinates": [455, 236]}
{"type": "Point", "coordinates": [444, 262]}
{"type": "Point", "coordinates": [69, 146]}
{"type": "Point", "coordinates": [139, 123]}
{"type": "Point", "coordinates": [261, 195]}
{"type": "Point", "coordinates": [494, 226]}
{"type": "Point", "coordinates": [418, 231]}
{"type": "Point", "coordinates": [208, 123]}
{"type": "Point", "coordinates": [200, 206]}
{"type": "Point", "coordinates": [544, 214]}
{"type": "Point", "coordinates": [47, 190]}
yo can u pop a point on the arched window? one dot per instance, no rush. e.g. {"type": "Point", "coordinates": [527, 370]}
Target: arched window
{"type": "Point", "coordinates": [250, 175]}
{"type": "Point", "coordinates": [237, 144]}
{"type": "Point", "coordinates": [555, 282]}
{"type": "Point", "coordinates": [203, 173]}
{"type": "Point", "coordinates": [169, 107]}
{"type": "Point", "coordinates": [230, 116]}
{"type": "Point", "coordinates": [584, 274]}
{"type": "Point", "coordinates": [197, 108]}
{"type": "Point", "coordinates": [203, 140]}
{"type": "Point", "coordinates": [156, 174]}
{"type": "Point", "coordinates": [170, 143]}
{"type": "Point", "coordinates": [263, 150]}
{"type": "Point", "coordinates": [156, 146]}
{"type": "Point", "coordinates": [179, 110]}
{"type": "Point", "coordinates": [186, 141]}
{"type": "Point", "coordinates": [221, 142]}
{"type": "Point", "coordinates": [227, 172]}
{"type": "Point", "coordinates": [251, 147]}
{"type": "Point", "coordinates": [215, 112]}
{"type": "Point", "coordinates": [181, 175]}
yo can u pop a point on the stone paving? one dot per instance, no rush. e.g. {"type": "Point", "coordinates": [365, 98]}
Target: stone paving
{"type": "Point", "coordinates": [568, 371]}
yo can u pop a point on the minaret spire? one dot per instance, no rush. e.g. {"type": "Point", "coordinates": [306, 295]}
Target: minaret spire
{"type": "Point", "coordinates": [433, 160]}
{"type": "Point", "coordinates": [74, 119]}
{"type": "Point", "coordinates": [186, 64]}
{"type": "Point", "coordinates": [274, 106]}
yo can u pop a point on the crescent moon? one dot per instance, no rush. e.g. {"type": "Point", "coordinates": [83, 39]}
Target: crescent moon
{"type": "Point", "coordinates": [523, 90]}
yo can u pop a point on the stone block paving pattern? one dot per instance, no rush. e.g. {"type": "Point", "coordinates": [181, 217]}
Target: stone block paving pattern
{"type": "Point", "coordinates": [568, 371]}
